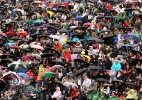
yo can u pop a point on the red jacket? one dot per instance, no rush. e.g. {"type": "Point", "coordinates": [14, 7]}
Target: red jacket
{"type": "Point", "coordinates": [67, 55]}
{"type": "Point", "coordinates": [73, 94]}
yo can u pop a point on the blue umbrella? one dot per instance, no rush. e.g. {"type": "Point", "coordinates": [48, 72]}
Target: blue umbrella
{"type": "Point", "coordinates": [10, 44]}
{"type": "Point", "coordinates": [78, 18]}
{"type": "Point", "coordinates": [25, 76]}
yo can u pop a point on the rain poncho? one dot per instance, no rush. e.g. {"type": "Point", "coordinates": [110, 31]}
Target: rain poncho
{"type": "Point", "coordinates": [116, 66]}
{"type": "Point", "coordinates": [57, 94]}
{"type": "Point", "coordinates": [94, 95]}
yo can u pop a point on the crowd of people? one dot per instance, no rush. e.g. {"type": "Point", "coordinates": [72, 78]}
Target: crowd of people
{"type": "Point", "coordinates": [70, 50]}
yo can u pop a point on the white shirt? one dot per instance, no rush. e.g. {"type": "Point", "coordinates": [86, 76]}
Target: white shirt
{"type": "Point", "coordinates": [87, 82]}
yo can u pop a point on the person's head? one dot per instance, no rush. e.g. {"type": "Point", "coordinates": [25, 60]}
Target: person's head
{"type": "Point", "coordinates": [113, 94]}
{"type": "Point", "coordinates": [57, 88]}
{"type": "Point", "coordinates": [37, 85]}
{"type": "Point", "coordinates": [75, 88]}
{"type": "Point", "coordinates": [128, 66]}
{"type": "Point", "coordinates": [85, 76]}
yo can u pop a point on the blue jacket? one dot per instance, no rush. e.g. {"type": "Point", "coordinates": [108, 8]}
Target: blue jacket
{"type": "Point", "coordinates": [116, 66]}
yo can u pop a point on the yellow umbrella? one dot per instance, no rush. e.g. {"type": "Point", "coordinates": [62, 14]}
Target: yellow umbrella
{"type": "Point", "coordinates": [86, 57]}
{"type": "Point", "coordinates": [50, 13]}
{"type": "Point", "coordinates": [38, 15]}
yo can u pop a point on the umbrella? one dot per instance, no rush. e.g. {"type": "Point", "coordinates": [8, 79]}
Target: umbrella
{"type": "Point", "coordinates": [94, 68]}
{"type": "Point", "coordinates": [5, 61]}
{"type": "Point", "coordinates": [128, 45]}
{"type": "Point", "coordinates": [49, 74]}
{"type": "Point", "coordinates": [67, 84]}
{"type": "Point", "coordinates": [100, 17]}
{"type": "Point", "coordinates": [76, 50]}
{"type": "Point", "coordinates": [57, 62]}
{"type": "Point", "coordinates": [135, 37]}
{"type": "Point", "coordinates": [119, 81]}
{"type": "Point", "coordinates": [14, 47]}
{"type": "Point", "coordinates": [37, 47]}
{"type": "Point", "coordinates": [117, 26]}
{"type": "Point", "coordinates": [70, 75]}
{"type": "Point", "coordinates": [36, 56]}
{"type": "Point", "coordinates": [3, 81]}
{"type": "Point", "coordinates": [57, 67]}
{"type": "Point", "coordinates": [25, 49]}
{"type": "Point", "coordinates": [74, 56]}
{"type": "Point", "coordinates": [80, 60]}
{"type": "Point", "coordinates": [3, 56]}
{"type": "Point", "coordinates": [81, 71]}
{"type": "Point", "coordinates": [46, 55]}
{"type": "Point", "coordinates": [105, 31]}
{"type": "Point", "coordinates": [88, 24]}
{"type": "Point", "coordinates": [25, 76]}
{"type": "Point", "coordinates": [27, 57]}
{"type": "Point", "coordinates": [15, 38]}
{"type": "Point", "coordinates": [39, 22]}
{"type": "Point", "coordinates": [58, 83]}
{"type": "Point", "coordinates": [29, 21]}
{"type": "Point", "coordinates": [46, 50]}
{"type": "Point", "coordinates": [15, 64]}
{"type": "Point", "coordinates": [95, 39]}
{"type": "Point", "coordinates": [10, 44]}
{"type": "Point", "coordinates": [86, 57]}
{"type": "Point", "coordinates": [9, 33]}
{"type": "Point", "coordinates": [139, 77]}
{"type": "Point", "coordinates": [101, 80]}
{"type": "Point", "coordinates": [63, 30]}
{"type": "Point", "coordinates": [11, 73]}
{"type": "Point", "coordinates": [22, 34]}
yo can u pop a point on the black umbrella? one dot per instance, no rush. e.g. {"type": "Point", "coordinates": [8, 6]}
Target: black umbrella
{"type": "Point", "coordinates": [58, 83]}
{"type": "Point", "coordinates": [100, 17]}
{"type": "Point", "coordinates": [44, 35]}
{"type": "Point", "coordinates": [15, 38]}
{"type": "Point", "coordinates": [63, 30]}
{"type": "Point", "coordinates": [2, 39]}
{"type": "Point", "coordinates": [4, 56]}
{"type": "Point", "coordinates": [35, 34]}
{"type": "Point", "coordinates": [135, 51]}
{"type": "Point", "coordinates": [102, 80]}
{"type": "Point", "coordinates": [46, 50]}
{"type": "Point", "coordinates": [129, 9]}
{"type": "Point", "coordinates": [5, 61]}
{"type": "Point", "coordinates": [51, 26]}
{"type": "Point", "coordinates": [108, 36]}
{"type": "Point", "coordinates": [109, 17]}
{"type": "Point", "coordinates": [80, 60]}
{"type": "Point", "coordinates": [95, 39]}
{"type": "Point", "coordinates": [71, 42]}
{"type": "Point", "coordinates": [105, 31]}
{"type": "Point", "coordinates": [27, 0]}
{"type": "Point", "coordinates": [119, 81]}
{"type": "Point", "coordinates": [54, 62]}
{"type": "Point", "coordinates": [92, 1]}
{"type": "Point", "coordinates": [46, 55]}
{"type": "Point", "coordinates": [81, 71]}
{"type": "Point", "coordinates": [25, 49]}
{"type": "Point", "coordinates": [117, 26]}
{"type": "Point", "coordinates": [94, 68]}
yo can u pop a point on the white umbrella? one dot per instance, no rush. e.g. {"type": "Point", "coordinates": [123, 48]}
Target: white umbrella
{"type": "Point", "coordinates": [67, 84]}
{"type": "Point", "coordinates": [55, 37]}
{"type": "Point", "coordinates": [37, 47]}
{"type": "Point", "coordinates": [36, 55]}
{"type": "Point", "coordinates": [15, 64]}
{"type": "Point", "coordinates": [57, 67]}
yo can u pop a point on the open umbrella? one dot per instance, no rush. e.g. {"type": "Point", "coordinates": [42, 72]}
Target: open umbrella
{"type": "Point", "coordinates": [27, 57]}
{"type": "Point", "coordinates": [50, 13]}
{"type": "Point", "coordinates": [29, 21]}
{"type": "Point", "coordinates": [9, 33]}
{"type": "Point", "coordinates": [58, 83]}
{"type": "Point", "coordinates": [15, 38]}
{"type": "Point", "coordinates": [36, 56]}
{"type": "Point", "coordinates": [74, 56]}
{"type": "Point", "coordinates": [23, 34]}
{"type": "Point", "coordinates": [3, 61]}
{"type": "Point", "coordinates": [87, 24]}
{"type": "Point", "coordinates": [80, 60]}
{"type": "Point", "coordinates": [63, 30]}
{"type": "Point", "coordinates": [25, 76]}
{"type": "Point", "coordinates": [81, 71]}
{"type": "Point", "coordinates": [57, 62]}
{"type": "Point", "coordinates": [49, 74]}
{"type": "Point", "coordinates": [10, 44]}
{"type": "Point", "coordinates": [15, 64]}
{"type": "Point", "coordinates": [94, 68]}
{"type": "Point", "coordinates": [128, 45]}
{"type": "Point", "coordinates": [39, 22]}
{"type": "Point", "coordinates": [57, 67]}
{"type": "Point", "coordinates": [37, 47]}
{"type": "Point", "coordinates": [102, 80]}
{"type": "Point", "coordinates": [139, 77]}
{"type": "Point", "coordinates": [67, 84]}
{"type": "Point", "coordinates": [46, 55]}
{"type": "Point", "coordinates": [14, 47]}
{"type": "Point", "coordinates": [135, 37]}
{"type": "Point", "coordinates": [95, 39]}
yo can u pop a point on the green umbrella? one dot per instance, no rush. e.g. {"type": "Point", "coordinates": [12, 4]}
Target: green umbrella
{"type": "Point", "coordinates": [49, 74]}
{"type": "Point", "coordinates": [15, 64]}
{"type": "Point", "coordinates": [10, 41]}
{"type": "Point", "coordinates": [30, 22]}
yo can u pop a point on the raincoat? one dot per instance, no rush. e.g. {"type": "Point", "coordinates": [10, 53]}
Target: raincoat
{"type": "Point", "coordinates": [116, 66]}
{"type": "Point", "coordinates": [67, 55]}
{"type": "Point", "coordinates": [57, 94]}
{"type": "Point", "coordinates": [94, 95]}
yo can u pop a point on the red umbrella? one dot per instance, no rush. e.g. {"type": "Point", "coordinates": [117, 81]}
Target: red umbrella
{"type": "Point", "coordinates": [87, 24]}
{"type": "Point", "coordinates": [14, 47]}
{"type": "Point", "coordinates": [9, 33]}
{"type": "Point", "coordinates": [22, 34]}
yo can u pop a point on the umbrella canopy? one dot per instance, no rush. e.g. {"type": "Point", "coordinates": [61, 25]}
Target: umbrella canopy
{"type": "Point", "coordinates": [87, 24]}
{"type": "Point", "coordinates": [15, 64]}
{"type": "Point", "coordinates": [67, 84]}
{"type": "Point", "coordinates": [81, 71]}
{"type": "Point", "coordinates": [9, 33]}
{"type": "Point", "coordinates": [15, 38]}
{"type": "Point", "coordinates": [49, 74]}
{"type": "Point", "coordinates": [10, 44]}
{"type": "Point", "coordinates": [128, 45]}
{"type": "Point", "coordinates": [23, 34]}
{"type": "Point", "coordinates": [101, 80]}
{"type": "Point", "coordinates": [37, 47]}
{"type": "Point", "coordinates": [80, 60]}
{"type": "Point", "coordinates": [135, 37]}
{"type": "Point", "coordinates": [74, 56]}
{"type": "Point", "coordinates": [95, 39]}
{"type": "Point", "coordinates": [27, 57]}
{"type": "Point", "coordinates": [94, 68]}
{"type": "Point", "coordinates": [139, 77]}
{"type": "Point", "coordinates": [14, 47]}
{"type": "Point", "coordinates": [57, 62]}
{"type": "Point", "coordinates": [25, 76]}
{"type": "Point", "coordinates": [57, 67]}
{"type": "Point", "coordinates": [63, 30]}
{"type": "Point", "coordinates": [39, 22]}
{"type": "Point", "coordinates": [46, 55]}
{"type": "Point", "coordinates": [29, 21]}
{"type": "Point", "coordinates": [4, 56]}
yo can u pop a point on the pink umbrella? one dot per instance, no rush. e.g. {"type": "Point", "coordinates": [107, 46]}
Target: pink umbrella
{"type": "Point", "coordinates": [87, 24]}
{"type": "Point", "coordinates": [27, 57]}
{"type": "Point", "coordinates": [74, 56]}
{"type": "Point", "coordinates": [139, 77]}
